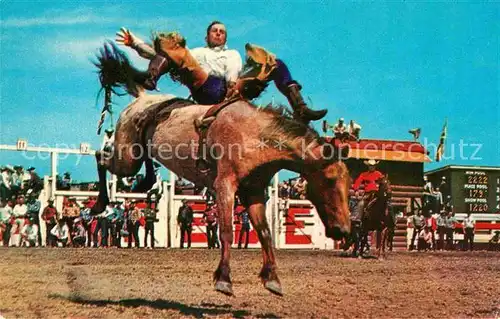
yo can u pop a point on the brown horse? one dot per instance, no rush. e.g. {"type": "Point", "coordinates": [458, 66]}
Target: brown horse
{"type": "Point", "coordinates": [376, 217]}
{"type": "Point", "coordinates": [247, 146]}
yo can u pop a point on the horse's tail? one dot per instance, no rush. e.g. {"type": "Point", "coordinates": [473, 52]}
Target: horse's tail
{"type": "Point", "coordinates": [116, 71]}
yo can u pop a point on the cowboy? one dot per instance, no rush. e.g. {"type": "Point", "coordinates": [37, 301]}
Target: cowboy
{"type": "Point", "coordinates": [369, 180]}
{"type": "Point", "coordinates": [242, 213]}
{"type": "Point", "coordinates": [185, 221]}
{"type": "Point", "coordinates": [6, 182]}
{"type": "Point", "coordinates": [133, 216]}
{"type": "Point", "coordinates": [35, 182]}
{"type": "Point", "coordinates": [441, 228]}
{"type": "Point", "coordinates": [49, 215]}
{"type": "Point", "coordinates": [450, 230]}
{"type": "Point", "coordinates": [418, 222]}
{"type": "Point", "coordinates": [78, 233]}
{"type": "Point", "coordinates": [212, 73]}
{"type": "Point", "coordinates": [150, 216]}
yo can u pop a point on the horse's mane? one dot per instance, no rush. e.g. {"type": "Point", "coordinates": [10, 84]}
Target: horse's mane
{"type": "Point", "coordinates": [285, 125]}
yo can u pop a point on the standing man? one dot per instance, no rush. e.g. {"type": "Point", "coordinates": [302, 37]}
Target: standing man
{"type": "Point", "coordinates": [418, 222]}
{"type": "Point", "coordinates": [469, 224]}
{"type": "Point", "coordinates": [5, 221]}
{"type": "Point", "coordinates": [210, 218]}
{"type": "Point", "coordinates": [150, 216]}
{"type": "Point", "coordinates": [133, 216]}
{"type": "Point", "coordinates": [450, 230]}
{"type": "Point", "coordinates": [185, 222]}
{"type": "Point", "coordinates": [49, 216]}
{"type": "Point", "coordinates": [441, 228]}
{"type": "Point", "coordinates": [245, 228]}
{"type": "Point", "coordinates": [19, 212]}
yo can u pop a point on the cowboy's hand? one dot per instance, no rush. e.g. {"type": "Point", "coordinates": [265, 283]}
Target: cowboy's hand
{"type": "Point", "coordinates": [127, 38]}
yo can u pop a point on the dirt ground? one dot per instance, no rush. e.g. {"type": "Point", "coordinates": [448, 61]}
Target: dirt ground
{"type": "Point", "coordinates": [112, 283]}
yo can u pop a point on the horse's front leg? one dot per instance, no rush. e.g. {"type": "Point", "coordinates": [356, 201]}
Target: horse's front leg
{"type": "Point", "coordinates": [385, 236]}
{"type": "Point", "coordinates": [226, 189]}
{"type": "Point", "coordinates": [257, 212]}
{"type": "Point", "coordinates": [379, 242]}
{"type": "Point", "coordinates": [122, 161]}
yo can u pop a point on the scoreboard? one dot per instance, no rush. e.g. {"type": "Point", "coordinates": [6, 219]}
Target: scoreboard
{"type": "Point", "coordinates": [481, 191]}
{"type": "Point", "coordinates": [473, 189]}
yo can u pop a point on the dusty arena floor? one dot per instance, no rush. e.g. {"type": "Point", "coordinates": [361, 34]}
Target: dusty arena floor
{"type": "Point", "coordinates": [119, 283]}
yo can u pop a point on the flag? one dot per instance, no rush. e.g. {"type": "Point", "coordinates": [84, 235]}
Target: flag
{"type": "Point", "coordinates": [440, 149]}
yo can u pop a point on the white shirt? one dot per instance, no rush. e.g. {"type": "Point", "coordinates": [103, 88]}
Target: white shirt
{"type": "Point", "coordinates": [6, 180]}
{"type": "Point", "coordinates": [469, 222]}
{"type": "Point", "coordinates": [219, 62]}
{"type": "Point", "coordinates": [20, 210]}
{"type": "Point", "coordinates": [339, 128]}
{"type": "Point", "coordinates": [30, 231]}
{"type": "Point", "coordinates": [60, 232]}
{"type": "Point", "coordinates": [354, 128]}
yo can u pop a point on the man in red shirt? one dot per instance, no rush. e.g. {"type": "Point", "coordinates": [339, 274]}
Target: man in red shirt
{"type": "Point", "coordinates": [369, 180]}
{"type": "Point", "coordinates": [49, 215]}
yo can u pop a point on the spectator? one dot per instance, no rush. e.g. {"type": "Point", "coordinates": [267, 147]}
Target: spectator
{"type": "Point", "coordinates": [30, 233]}
{"type": "Point", "coordinates": [33, 213]}
{"type": "Point", "coordinates": [301, 188]}
{"type": "Point", "coordinates": [354, 130]}
{"type": "Point", "coordinates": [185, 221]}
{"type": "Point", "coordinates": [444, 188]}
{"type": "Point", "coordinates": [150, 216]}
{"type": "Point", "coordinates": [441, 228]}
{"type": "Point", "coordinates": [430, 222]}
{"type": "Point", "coordinates": [19, 213]}
{"type": "Point", "coordinates": [71, 212]}
{"type": "Point", "coordinates": [5, 219]}
{"type": "Point", "coordinates": [78, 234]}
{"type": "Point", "coordinates": [49, 215]}
{"type": "Point", "coordinates": [66, 181]}
{"type": "Point", "coordinates": [6, 182]}
{"type": "Point", "coordinates": [137, 182]}
{"type": "Point", "coordinates": [133, 216]}
{"type": "Point", "coordinates": [494, 242]}
{"type": "Point", "coordinates": [87, 219]}
{"type": "Point", "coordinates": [245, 227]}
{"type": "Point", "coordinates": [17, 180]}
{"type": "Point", "coordinates": [340, 130]}
{"type": "Point", "coordinates": [35, 182]}
{"type": "Point", "coordinates": [468, 225]}
{"type": "Point", "coordinates": [425, 239]}
{"type": "Point", "coordinates": [450, 230]}
{"type": "Point", "coordinates": [61, 232]}
{"type": "Point", "coordinates": [102, 225]}
{"type": "Point", "coordinates": [418, 223]}
{"type": "Point", "coordinates": [117, 222]}
{"type": "Point", "coordinates": [210, 218]}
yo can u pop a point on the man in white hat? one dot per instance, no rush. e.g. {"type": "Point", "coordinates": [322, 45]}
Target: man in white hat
{"type": "Point", "coordinates": [369, 180]}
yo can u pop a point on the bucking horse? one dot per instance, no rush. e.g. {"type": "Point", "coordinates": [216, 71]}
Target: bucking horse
{"type": "Point", "coordinates": [245, 145]}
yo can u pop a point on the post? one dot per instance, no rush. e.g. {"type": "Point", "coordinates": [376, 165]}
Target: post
{"type": "Point", "coordinates": [275, 211]}
{"type": "Point", "coordinates": [113, 187]}
{"type": "Point", "coordinates": [53, 174]}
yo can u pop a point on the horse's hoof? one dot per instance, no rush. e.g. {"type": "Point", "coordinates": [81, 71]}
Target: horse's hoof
{"type": "Point", "coordinates": [274, 287]}
{"type": "Point", "coordinates": [225, 287]}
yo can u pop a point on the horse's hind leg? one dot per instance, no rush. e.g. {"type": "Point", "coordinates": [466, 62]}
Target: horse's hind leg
{"type": "Point", "coordinates": [256, 205]}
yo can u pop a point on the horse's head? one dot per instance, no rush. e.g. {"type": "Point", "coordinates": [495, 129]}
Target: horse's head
{"type": "Point", "coordinates": [384, 187]}
{"type": "Point", "coordinates": [328, 190]}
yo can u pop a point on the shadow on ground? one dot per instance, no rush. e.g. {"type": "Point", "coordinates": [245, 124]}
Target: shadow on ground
{"type": "Point", "coordinates": [161, 304]}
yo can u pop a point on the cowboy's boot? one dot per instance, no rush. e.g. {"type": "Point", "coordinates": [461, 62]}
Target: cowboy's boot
{"type": "Point", "coordinates": [172, 55]}
{"type": "Point", "coordinates": [300, 109]}
{"type": "Point", "coordinates": [173, 46]}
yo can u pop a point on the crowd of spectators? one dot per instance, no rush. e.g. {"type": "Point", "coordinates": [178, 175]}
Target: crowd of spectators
{"type": "Point", "coordinates": [295, 188]}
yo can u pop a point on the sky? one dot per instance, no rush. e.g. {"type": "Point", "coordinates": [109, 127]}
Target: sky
{"type": "Point", "coordinates": [389, 66]}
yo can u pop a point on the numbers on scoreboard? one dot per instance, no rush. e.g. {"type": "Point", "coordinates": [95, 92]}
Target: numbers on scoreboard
{"type": "Point", "coordinates": [477, 180]}
{"type": "Point", "coordinates": [21, 144]}
{"type": "Point", "coordinates": [478, 207]}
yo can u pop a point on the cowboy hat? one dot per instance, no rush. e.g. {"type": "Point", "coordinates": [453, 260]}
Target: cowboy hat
{"type": "Point", "coordinates": [31, 168]}
{"type": "Point", "coordinates": [371, 162]}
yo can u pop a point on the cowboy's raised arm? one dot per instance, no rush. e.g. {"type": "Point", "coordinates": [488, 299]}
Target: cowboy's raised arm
{"type": "Point", "coordinates": [127, 38]}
